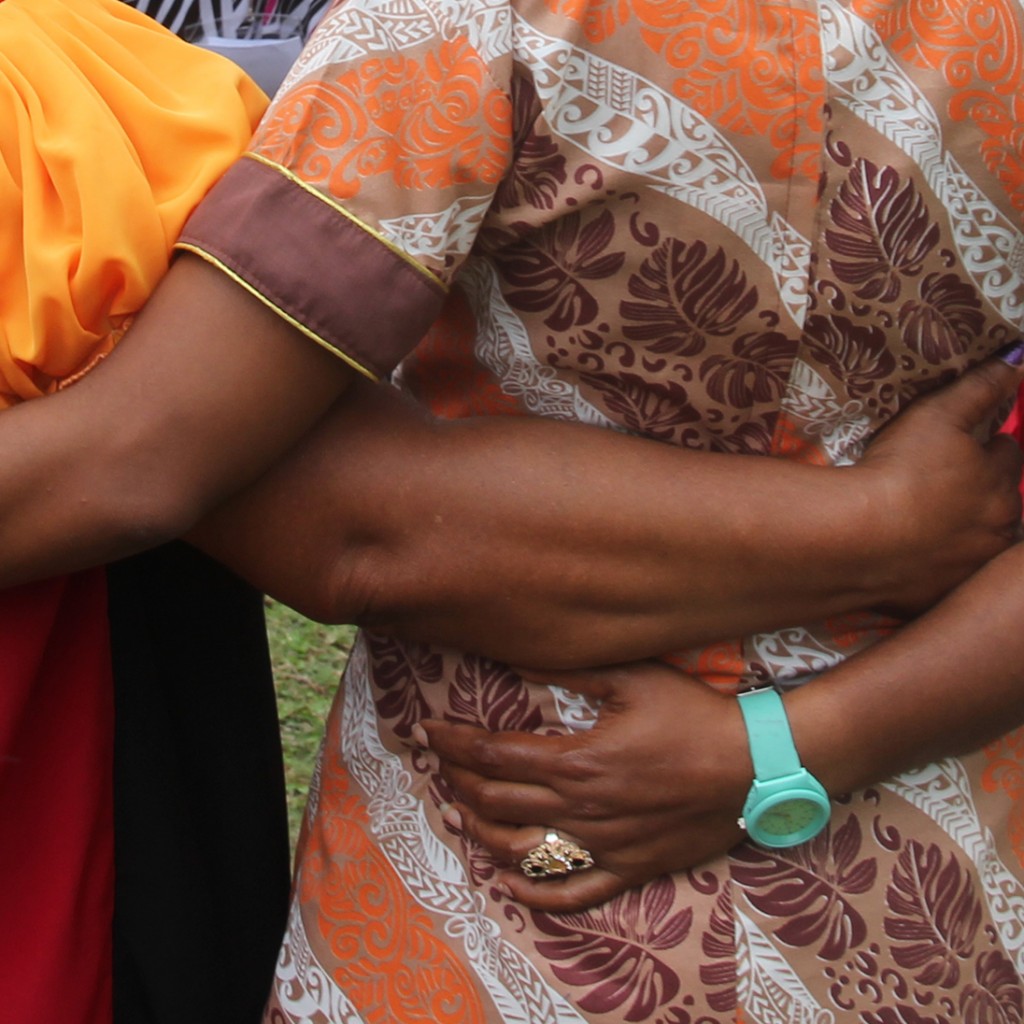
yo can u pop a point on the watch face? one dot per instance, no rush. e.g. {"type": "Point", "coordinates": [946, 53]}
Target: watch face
{"type": "Point", "coordinates": [788, 817]}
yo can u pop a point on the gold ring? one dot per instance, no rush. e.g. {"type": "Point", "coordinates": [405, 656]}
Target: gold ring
{"type": "Point", "coordinates": [555, 858]}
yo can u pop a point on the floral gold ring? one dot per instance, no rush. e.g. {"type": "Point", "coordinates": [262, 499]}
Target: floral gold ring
{"type": "Point", "coordinates": [555, 858]}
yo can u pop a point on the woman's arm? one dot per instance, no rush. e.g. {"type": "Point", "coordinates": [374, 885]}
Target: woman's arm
{"type": "Point", "coordinates": [207, 390]}
{"type": "Point", "coordinates": [562, 545]}
{"type": "Point", "coordinates": [944, 685]}
{"type": "Point", "coordinates": [474, 520]}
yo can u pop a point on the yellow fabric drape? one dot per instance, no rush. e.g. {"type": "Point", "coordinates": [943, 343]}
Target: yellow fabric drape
{"type": "Point", "coordinates": [111, 130]}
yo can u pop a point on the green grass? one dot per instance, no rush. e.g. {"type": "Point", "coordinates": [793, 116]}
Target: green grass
{"type": "Point", "coordinates": [308, 659]}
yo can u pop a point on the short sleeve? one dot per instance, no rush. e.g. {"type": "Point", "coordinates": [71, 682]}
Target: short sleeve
{"type": "Point", "coordinates": [368, 178]}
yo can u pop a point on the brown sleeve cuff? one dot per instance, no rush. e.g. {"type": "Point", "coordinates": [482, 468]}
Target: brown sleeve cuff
{"type": "Point", "coordinates": [315, 265]}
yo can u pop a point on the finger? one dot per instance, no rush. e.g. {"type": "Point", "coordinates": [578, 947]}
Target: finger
{"type": "Point", "coordinates": [628, 850]}
{"type": "Point", "coordinates": [975, 396]}
{"type": "Point", "coordinates": [513, 756]}
{"type": "Point", "coordinates": [508, 843]}
{"type": "Point", "coordinates": [578, 891]}
{"type": "Point", "coordinates": [513, 802]}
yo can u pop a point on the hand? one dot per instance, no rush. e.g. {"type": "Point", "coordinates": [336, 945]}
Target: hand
{"type": "Point", "coordinates": [656, 786]}
{"type": "Point", "coordinates": [953, 501]}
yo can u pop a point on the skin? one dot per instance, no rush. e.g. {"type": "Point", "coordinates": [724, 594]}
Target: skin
{"type": "Point", "coordinates": [129, 461]}
{"type": "Point", "coordinates": [191, 408]}
{"type": "Point", "coordinates": [127, 454]}
{"type": "Point", "coordinates": [663, 548]}
{"type": "Point", "coordinates": [677, 806]}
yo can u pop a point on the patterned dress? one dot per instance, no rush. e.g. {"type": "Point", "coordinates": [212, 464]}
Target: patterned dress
{"type": "Point", "coordinates": [748, 226]}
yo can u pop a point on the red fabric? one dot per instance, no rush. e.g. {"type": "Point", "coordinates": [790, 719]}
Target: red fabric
{"type": "Point", "coordinates": [1014, 425]}
{"type": "Point", "coordinates": [56, 816]}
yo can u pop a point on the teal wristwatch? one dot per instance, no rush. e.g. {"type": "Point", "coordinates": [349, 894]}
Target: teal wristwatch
{"type": "Point", "coordinates": [786, 805]}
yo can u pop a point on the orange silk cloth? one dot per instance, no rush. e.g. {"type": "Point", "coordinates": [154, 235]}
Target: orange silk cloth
{"type": "Point", "coordinates": [111, 130]}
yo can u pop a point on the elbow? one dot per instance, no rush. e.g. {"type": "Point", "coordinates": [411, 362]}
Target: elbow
{"type": "Point", "coordinates": [83, 487]}
{"type": "Point", "coordinates": [132, 510]}
{"type": "Point", "coordinates": [133, 522]}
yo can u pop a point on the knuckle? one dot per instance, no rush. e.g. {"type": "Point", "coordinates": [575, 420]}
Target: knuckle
{"type": "Point", "coordinates": [485, 752]}
{"type": "Point", "coordinates": [589, 809]}
{"type": "Point", "coordinates": [517, 848]}
{"type": "Point", "coordinates": [577, 765]}
{"type": "Point", "coordinates": [467, 789]}
{"type": "Point", "coordinates": [487, 793]}
{"type": "Point", "coordinates": [504, 849]}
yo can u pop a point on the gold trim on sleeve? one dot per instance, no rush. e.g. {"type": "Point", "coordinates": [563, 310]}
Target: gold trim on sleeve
{"type": "Point", "coordinates": [338, 208]}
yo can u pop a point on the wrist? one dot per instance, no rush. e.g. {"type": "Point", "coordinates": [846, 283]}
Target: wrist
{"type": "Point", "coordinates": [882, 529]}
{"type": "Point", "coordinates": [828, 736]}
{"type": "Point", "coordinates": [786, 805]}
{"type": "Point", "coordinates": [827, 522]}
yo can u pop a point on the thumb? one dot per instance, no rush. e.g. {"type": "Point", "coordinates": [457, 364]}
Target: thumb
{"type": "Point", "coordinates": [969, 401]}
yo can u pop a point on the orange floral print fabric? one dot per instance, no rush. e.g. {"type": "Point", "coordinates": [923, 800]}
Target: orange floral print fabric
{"type": "Point", "coordinates": [427, 125]}
{"type": "Point", "coordinates": [408, 975]}
{"type": "Point", "coordinates": [971, 46]}
{"type": "Point", "coordinates": [752, 228]}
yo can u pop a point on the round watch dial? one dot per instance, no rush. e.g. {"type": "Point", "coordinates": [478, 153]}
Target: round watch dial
{"type": "Point", "coordinates": [788, 817]}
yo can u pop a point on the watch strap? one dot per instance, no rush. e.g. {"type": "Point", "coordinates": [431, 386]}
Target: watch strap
{"type": "Point", "coordinates": [771, 741]}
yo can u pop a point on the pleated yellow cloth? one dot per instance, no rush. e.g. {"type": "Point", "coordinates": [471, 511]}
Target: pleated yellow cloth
{"type": "Point", "coordinates": [111, 130]}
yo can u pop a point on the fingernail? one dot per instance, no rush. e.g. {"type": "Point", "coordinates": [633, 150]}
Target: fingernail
{"type": "Point", "coordinates": [1012, 355]}
{"type": "Point", "coordinates": [452, 817]}
{"type": "Point", "coordinates": [503, 889]}
{"type": "Point", "coordinates": [419, 734]}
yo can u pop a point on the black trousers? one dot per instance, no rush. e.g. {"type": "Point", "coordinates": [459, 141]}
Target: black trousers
{"type": "Point", "coordinates": [201, 835]}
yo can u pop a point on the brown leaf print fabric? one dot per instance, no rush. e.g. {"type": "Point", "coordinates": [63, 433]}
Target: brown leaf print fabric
{"type": "Point", "coordinates": [750, 227]}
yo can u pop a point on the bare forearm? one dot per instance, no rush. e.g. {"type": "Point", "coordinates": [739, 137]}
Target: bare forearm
{"type": "Point", "coordinates": [944, 685]}
{"type": "Point", "coordinates": [940, 687]}
{"type": "Point", "coordinates": [548, 544]}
